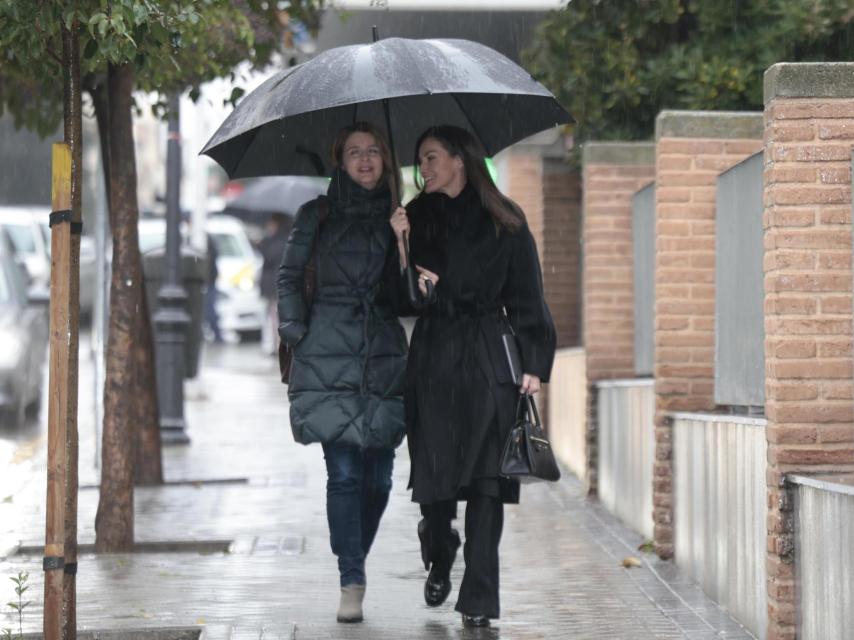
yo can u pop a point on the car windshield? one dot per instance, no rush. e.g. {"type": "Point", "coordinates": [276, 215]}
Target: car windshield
{"type": "Point", "coordinates": [228, 246]}
{"type": "Point", "coordinates": [151, 240]}
{"type": "Point", "coordinates": [22, 237]}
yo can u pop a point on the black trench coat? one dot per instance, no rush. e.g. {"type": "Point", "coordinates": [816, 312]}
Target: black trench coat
{"type": "Point", "coordinates": [460, 401]}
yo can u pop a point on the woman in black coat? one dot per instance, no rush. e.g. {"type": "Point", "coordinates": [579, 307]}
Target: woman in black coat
{"type": "Point", "coordinates": [474, 245]}
{"type": "Point", "coordinates": [346, 381]}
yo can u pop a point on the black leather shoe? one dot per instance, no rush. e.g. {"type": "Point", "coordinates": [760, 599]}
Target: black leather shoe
{"type": "Point", "coordinates": [438, 559]}
{"type": "Point", "coordinates": [436, 589]}
{"type": "Point", "coordinates": [476, 620]}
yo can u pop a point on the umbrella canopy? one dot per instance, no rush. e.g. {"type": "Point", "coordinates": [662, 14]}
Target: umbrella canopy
{"type": "Point", "coordinates": [288, 124]}
{"type": "Point", "coordinates": [271, 195]}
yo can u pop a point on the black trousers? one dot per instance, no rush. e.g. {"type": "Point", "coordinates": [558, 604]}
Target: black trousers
{"type": "Point", "coordinates": [484, 523]}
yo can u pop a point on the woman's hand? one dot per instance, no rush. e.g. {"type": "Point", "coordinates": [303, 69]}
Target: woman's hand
{"type": "Point", "coordinates": [530, 384]}
{"type": "Point", "coordinates": [399, 222]}
{"type": "Point", "coordinates": [424, 276]}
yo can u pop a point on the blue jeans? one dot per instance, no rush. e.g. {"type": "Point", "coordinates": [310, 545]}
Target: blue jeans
{"type": "Point", "coordinates": [357, 488]}
{"type": "Point", "coordinates": [210, 314]}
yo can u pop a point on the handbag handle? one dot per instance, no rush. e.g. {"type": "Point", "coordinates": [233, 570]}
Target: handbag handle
{"type": "Point", "coordinates": [522, 406]}
{"type": "Point", "coordinates": [533, 414]}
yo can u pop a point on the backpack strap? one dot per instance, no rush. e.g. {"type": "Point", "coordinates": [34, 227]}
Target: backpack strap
{"type": "Point", "coordinates": [310, 274]}
{"type": "Point", "coordinates": [322, 210]}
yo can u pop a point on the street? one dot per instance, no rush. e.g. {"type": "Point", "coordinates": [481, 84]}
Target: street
{"type": "Point", "coordinates": [236, 542]}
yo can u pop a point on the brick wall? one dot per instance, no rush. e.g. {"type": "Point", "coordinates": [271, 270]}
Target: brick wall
{"type": "Point", "coordinates": [561, 248]}
{"type": "Point", "coordinates": [612, 173]}
{"type": "Point", "coordinates": [809, 133]}
{"type": "Point", "coordinates": [525, 187]}
{"type": "Point", "coordinates": [693, 148]}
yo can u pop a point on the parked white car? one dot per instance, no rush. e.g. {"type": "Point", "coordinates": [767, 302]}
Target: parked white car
{"type": "Point", "coordinates": [23, 338]}
{"type": "Point", "coordinates": [239, 305]}
{"type": "Point", "coordinates": [29, 230]}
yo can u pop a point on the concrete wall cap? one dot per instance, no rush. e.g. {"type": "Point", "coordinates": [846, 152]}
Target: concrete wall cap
{"type": "Point", "coordinates": [809, 80]}
{"type": "Point", "coordinates": [619, 153]}
{"type": "Point", "coordinates": [709, 124]}
{"type": "Point", "coordinates": [548, 144]}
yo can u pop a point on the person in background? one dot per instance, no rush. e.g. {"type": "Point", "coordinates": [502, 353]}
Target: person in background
{"type": "Point", "coordinates": [211, 316]}
{"type": "Point", "coordinates": [272, 248]}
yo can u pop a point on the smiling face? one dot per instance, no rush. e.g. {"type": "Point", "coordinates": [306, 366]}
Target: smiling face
{"type": "Point", "coordinates": [362, 159]}
{"type": "Point", "coordinates": [442, 172]}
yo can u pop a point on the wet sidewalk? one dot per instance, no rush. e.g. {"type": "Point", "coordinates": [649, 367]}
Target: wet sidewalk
{"type": "Point", "coordinates": [236, 543]}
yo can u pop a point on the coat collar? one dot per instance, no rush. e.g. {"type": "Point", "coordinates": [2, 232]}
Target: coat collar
{"type": "Point", "coordinates": [344, 193]}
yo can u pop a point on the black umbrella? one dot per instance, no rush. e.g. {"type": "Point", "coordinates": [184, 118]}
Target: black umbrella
{"type": "Point", "coordinates": [264, 197]}
{"type": "Point", "coordinates": [287, 125]}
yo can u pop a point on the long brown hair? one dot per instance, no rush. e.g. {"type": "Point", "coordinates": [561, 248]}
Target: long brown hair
{"type": "Point", "coordinates": [391, 174]}
{"type": "Point", "coordinates": [460, 143]}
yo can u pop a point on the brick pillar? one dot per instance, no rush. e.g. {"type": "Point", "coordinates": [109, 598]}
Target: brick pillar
{"type": "Point", "coordinates": [693, 149]}
{"type": "Point", "coordinates": [548, 189]}
{"type": "Point", "coordinates": [612, 173]}
{"type": "Point", "coordinates": [536, 175]}
{"type": "Point", "coordinates": [561, 248]}
{"type": "Point", "coordinates": [809, 133]}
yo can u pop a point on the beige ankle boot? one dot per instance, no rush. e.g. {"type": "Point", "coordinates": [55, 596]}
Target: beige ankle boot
{"type": "Point", "coordinates": [350, 609]}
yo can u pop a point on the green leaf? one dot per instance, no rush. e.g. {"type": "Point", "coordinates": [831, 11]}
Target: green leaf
{"type": "Point", "coordinates": [90, 49]}
{"type": "Point", "coordinates": [68, 18]}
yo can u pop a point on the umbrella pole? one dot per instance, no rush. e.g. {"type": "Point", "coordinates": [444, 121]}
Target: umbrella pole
{"type": "Point", "coordinates": [394, 195]}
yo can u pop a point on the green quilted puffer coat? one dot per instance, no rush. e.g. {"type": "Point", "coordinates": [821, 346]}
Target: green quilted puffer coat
{"type": "Point", "coordinates": [349, 364]}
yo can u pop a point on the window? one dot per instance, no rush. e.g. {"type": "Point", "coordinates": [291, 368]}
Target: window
{"type": "Point", "coordinates": [22, 237]}
{"type": "Point", "coordinates": [228, 246]}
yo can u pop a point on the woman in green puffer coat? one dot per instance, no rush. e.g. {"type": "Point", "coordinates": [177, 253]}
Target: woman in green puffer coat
{"type": "Point", "coordinates": [346, 382]}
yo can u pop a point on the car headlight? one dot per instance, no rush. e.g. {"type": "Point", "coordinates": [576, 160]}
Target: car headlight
{"type": "Point", "coordinates": [11, 348]}
{"type": "Point", "coordinates": [244, 278]}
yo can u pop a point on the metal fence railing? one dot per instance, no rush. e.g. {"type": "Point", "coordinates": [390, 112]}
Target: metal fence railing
{"type": "Point", "coordinates": [626, 453]}
{"type": "Point", "coordinates": [720, 533]}
{"type": "Point", "coordinates": [824, 548]}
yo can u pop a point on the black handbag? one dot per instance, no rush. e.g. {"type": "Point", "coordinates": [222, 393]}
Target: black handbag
{"type": "Point", "coordinates": [527, 454]}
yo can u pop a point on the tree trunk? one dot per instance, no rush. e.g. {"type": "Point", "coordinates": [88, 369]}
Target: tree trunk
{"type": "Point", "coordinates": [148, 467]}
{"type": "Point", "coordinates": [73, 130]}
{"type": "Point", "coordinates": [115, 517]}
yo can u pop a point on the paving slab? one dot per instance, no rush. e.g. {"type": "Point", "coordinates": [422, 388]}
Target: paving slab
{"type": "Point", "coordinates": [243, 485]}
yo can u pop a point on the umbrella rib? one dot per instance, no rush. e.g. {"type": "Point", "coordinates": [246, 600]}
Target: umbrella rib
{"type": "Point", "coordinates": [470, 121]}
